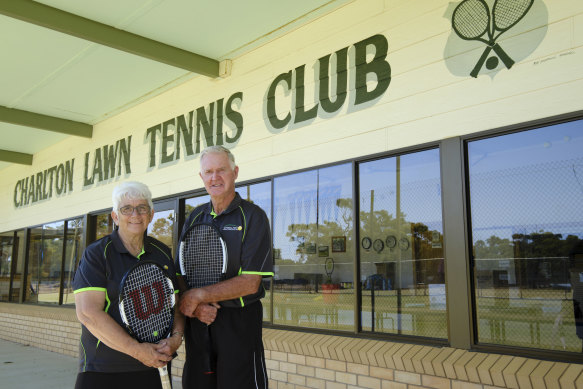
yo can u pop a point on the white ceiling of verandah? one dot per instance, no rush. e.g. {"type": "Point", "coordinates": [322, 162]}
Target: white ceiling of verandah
{"type": "Point", "coordinates": [58, 75]}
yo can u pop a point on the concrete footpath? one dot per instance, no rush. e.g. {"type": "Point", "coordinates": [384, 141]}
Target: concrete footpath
{"type": "Point", "coordinates": [26, 367]}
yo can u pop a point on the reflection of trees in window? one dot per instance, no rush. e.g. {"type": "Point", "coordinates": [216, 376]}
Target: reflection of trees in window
{"type": "Point", "coordinates": [307, 234]}
{"type": "Point", "coordinates": [162, 229]}
{"type": "Point", "coordinates": [103, 225]}
{"type": "Point", "coordinates": [536, 260]}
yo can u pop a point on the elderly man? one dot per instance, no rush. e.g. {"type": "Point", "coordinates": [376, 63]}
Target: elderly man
{"type": "Point", "coordinates": [232, 308]}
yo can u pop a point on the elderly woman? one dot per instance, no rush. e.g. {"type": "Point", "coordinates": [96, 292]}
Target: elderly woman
{"type": "Point", "coordinates": [109, 357]}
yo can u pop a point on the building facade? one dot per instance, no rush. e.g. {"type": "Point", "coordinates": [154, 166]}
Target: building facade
{"type": "Point", "coordinates": [424, 187]}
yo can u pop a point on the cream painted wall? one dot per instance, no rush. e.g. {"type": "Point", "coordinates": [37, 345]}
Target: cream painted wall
{"type": "Point", "coordinates": [431, 97]}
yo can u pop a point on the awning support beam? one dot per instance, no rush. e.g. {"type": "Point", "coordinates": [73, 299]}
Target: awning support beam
{"type": "Point", "coordinates": [45, 122]}
{"type": "Point", "coordinates": [103, 34]}
{"type": "Point", "coordinates": [14, 157]}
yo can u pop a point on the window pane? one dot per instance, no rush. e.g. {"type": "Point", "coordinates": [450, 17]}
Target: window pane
{"type": "Point", "coordinates": [162, 226]}
{"type": "Point", "coordinates": [312, 225]}
{"type": "Point", "coordinates": [18, 265]}
{"type": "Point", "coordinates": [401, 249]}
{"type": "Point", "coordinates": [104, 225]}
{"type": "Point", "coordinates": [46, 257]}
{"type": "Point", "coordinates": [73, 252]}
{"type": "Point", "coordinates": [34, 259]}
{"type": "Point", "coordinates": [527, 224]}
{"type": "Point", "coordinates": [6, 244]}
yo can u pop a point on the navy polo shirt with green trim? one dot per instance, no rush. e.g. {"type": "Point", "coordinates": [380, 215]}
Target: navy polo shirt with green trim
{"type": "Point", "coordinates": [246, 232]}
{"type": "Point", "coordinates": [102, 267]}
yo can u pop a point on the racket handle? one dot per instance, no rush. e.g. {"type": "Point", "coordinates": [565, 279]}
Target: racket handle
{"type": "Point", "coordinates": [165, 377]}
{"type": "Point", "coordinates": [503, 56]}
{"type": "Point", "coordinates": [480, 63]}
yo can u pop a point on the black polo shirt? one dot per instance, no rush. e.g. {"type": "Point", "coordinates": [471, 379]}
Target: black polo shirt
{"type": "Point", "coordinates": [102, 267]}
{"type": "Point", "coordinates": [245, 229]}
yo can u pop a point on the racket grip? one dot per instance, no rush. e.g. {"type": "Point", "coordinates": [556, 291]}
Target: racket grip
{"type": "Point", "coordinates": [503, 56]}
{"type": "Point", "coordinates": [165, 377]}
{"type": "Point", "coordinates": [480, 63]}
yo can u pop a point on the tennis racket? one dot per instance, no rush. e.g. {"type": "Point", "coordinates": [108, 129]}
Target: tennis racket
{"type": "Point", "coordinates": [203, 261]}
{"type": "Point", "coordinates": [471, 21]}
{"type": "Point", "coordinates": [506, 13]}
{"type": "Point", "coordinates": [146, 305]}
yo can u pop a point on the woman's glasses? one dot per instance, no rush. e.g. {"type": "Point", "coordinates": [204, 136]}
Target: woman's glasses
{"type": "Point", "coordinates": [129, 210]}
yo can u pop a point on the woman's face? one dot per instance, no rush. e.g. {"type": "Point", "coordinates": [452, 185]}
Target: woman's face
{"type": "Point", "coordinates": [133, 216]}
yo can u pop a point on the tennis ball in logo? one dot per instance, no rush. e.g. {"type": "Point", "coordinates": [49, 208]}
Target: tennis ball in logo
{"type": "Point", "coordinates": [239, 228]}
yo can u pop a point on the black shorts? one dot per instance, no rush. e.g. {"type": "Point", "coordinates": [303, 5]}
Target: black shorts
{"type": "Point", "coordinates": [147, 379]}
{"type": "Point", "coordinates": [238, 347]}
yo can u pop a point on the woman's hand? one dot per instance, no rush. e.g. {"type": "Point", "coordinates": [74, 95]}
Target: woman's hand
{"type": "Point", "coordinates": [149, 355]}
{"type": "Point", "coordinates": [169, 345]}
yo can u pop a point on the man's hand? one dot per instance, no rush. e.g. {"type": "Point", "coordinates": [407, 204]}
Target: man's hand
{"type": "Point", "coordinates": [189, 301]}
{"type": "Point", "coordinates": [206, 313]}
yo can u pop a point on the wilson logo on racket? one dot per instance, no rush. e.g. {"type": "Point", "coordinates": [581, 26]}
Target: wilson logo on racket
{"type": "Point", "coordinates": [473, 20]}
{"type": "Point", "coordinates": [151, 307]}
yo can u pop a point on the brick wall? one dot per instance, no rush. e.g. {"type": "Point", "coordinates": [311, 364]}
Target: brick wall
{"type": "Point", "coordinates": [297, 360]}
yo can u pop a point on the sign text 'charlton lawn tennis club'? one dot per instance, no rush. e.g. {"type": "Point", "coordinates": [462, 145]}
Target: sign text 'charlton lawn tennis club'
{"type": "Point", "coordinates": [184, 134]}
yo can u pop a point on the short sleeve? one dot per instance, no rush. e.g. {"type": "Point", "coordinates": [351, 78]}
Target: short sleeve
{"type": "Point", "coordinates": [91, 274]}
{"type": "Point", "coordinates": [256, 255]}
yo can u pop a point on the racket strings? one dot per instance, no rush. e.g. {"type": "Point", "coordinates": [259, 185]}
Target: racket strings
{"type": "Point", "coordinates": [471, 19]}
{"type": "Point", "coordinates": [148, 301]}
{"type": "Point", "coordinates": [509, 12]}
{"type": "Point", "coordinates": [202, 257]}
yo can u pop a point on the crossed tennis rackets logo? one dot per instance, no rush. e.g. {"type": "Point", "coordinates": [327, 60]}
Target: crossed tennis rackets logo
{"type": "Point", "coordinates": [473, 20]}
{"type": "Point", "coordinates": [151, 307]}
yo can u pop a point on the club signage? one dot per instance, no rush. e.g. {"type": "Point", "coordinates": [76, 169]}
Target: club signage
{"type": "Point", "coordinates": [221, 122]}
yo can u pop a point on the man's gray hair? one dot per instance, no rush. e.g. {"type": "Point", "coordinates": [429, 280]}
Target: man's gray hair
{"type": "Point", "coordinates": [131, 190]}
{"type": "Point", "coordinates": [219, 149]}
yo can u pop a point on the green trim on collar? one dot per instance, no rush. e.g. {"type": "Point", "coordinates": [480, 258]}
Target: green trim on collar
{"type": "Point", "coordinates": [142, 252]}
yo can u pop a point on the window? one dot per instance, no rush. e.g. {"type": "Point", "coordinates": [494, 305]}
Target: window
{"type": "Point", "coordinates": [44, 263]}
{"type": "Point", "coordinates": [73, 252]}
{"type": "Point", "coordinates": [314, 249]}
{"type": "Point", "coordinates": [401, 246]}
{"type": "Point", "coordinates": [6, 245]}
{"type": "Point", "coordinates": [103, 225]}
{"type": "Point", "coordinates": [526, 192]}
{"type": "Point", "coordinates": [162, 225]}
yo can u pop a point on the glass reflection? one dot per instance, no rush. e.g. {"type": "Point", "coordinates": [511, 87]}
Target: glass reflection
{"type": "Point", "coordinates": [18, 265]}
{"type": "Point", "coordinates": [313, 249]}
{"type": "Point", "coordinates": [162, 227]}
{"type": "Point", "coordinates": [6, 245]}
{"type": "Point", "coordinates": [45, 260]}
{"type": "Point", "coordinates": [73, 252]}
{"type": "Point", "coordinates": [401, 247]}
{"type": "Point", "coordinates": [103, 225]}
{"type": "Point", "coordinates": [527, 224]}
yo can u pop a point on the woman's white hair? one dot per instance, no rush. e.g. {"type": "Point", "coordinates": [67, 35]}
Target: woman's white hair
{"type": "Point", "coordinates": [131, 190]}
{"type": "Point", "coordinates": [219, 149]}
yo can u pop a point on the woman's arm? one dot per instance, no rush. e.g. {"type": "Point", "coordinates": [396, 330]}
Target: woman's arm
{"type": "Point", "coordinates": [89, 308]}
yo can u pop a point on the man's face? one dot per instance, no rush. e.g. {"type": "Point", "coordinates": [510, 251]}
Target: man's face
{"type": "Point", "coordinates": [217, 175]}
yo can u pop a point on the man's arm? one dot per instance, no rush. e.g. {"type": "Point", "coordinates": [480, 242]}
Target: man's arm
{"type": "Point", "coordinates": [241, 285]}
